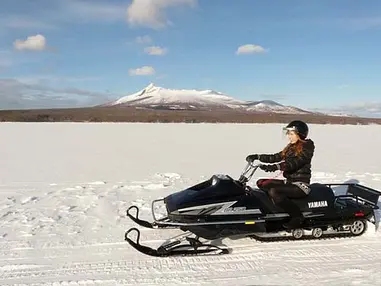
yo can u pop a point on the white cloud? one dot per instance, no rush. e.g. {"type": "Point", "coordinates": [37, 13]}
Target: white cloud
{"type": "Point", "coordinates": [362, 23]}
{"type": "Point", "coordinates": [250, 49]}
{"type": "Point", "coordinates": [5, 59]}
{"type": "Point", "coordinates": [24, 22]}
{"type": "Point", "coordinates": [365, 109]}
{"type": "Point", "coordinates": [35, 43]}
{"type": "Point", "coordinates": [51, 80]}
{"type": "Point", "coordinates": [151, 13]}
{"type": "Point", "coordinates": [11, 58]}
{"type": "Point", "coordinates": [56, 13]}
{"type": "Point", "coordinates": [93, 10]}
{"type": "Point", "coordinates": [343, 86]}
{"type": "Point", "coordinates": [16, 94]}
{"type": "Point", "coordinates": [145, 70]}
{"type": "Point", "coordinates": [143, 39]}
{"type": "Point", "coordinates": [155, 51]}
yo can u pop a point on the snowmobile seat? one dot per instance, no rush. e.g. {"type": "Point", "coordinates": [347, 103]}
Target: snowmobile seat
{"type": "Point", "coordinates": [320, 196]}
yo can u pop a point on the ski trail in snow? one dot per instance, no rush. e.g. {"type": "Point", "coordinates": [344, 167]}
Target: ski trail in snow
{"type": "Point", "coordinates": [287, 263]}
{"type": "Point", "coordinates": [74, 235]}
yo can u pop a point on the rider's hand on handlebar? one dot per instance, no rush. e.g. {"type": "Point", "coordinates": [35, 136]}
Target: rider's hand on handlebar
{"type": "Point", "coordinates": [270, 168]}
{"type": "Point", "coordinates": [251, 158]}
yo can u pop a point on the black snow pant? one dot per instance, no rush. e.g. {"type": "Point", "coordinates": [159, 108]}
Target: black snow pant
{"type": "Point", "coordinates": [281, 193]}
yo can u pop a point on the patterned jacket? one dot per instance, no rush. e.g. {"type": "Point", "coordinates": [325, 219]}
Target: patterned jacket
{"type": "Point", "coordinates": [295, 168]}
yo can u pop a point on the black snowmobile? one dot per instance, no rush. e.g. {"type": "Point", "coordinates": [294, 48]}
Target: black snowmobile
{"type": "Point", "coordinates": [223, 207]}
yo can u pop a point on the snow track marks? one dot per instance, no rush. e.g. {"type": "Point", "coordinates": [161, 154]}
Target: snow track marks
{"type": "Point", "coordinates": [73, 235]}
{"type": "Point", "coordinates": [284, 263]}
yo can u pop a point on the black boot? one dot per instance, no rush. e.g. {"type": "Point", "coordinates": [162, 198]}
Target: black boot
{"type": "Point", "coordinates": [296, 216]}
{"type": "Point", "coordinates": [295, 222]}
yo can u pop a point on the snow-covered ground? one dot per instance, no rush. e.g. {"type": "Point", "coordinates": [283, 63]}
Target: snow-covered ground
{"type": "Point", "coordinates": [65, 187]}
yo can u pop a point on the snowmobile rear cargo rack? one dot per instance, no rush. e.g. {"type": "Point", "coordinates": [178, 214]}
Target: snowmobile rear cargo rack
{"type": "Point", "coordinates": [360, 192]}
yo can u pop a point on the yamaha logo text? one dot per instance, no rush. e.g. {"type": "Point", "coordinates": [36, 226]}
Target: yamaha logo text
{"type": "Point", "coordinates": [318, 204]}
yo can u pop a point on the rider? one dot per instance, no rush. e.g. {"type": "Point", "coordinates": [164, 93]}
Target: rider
{"type": "Point", "coordinates": [295, 163]}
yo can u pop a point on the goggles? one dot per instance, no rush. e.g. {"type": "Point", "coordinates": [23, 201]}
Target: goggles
{"type": "Point", "coordinates": [287, 130]}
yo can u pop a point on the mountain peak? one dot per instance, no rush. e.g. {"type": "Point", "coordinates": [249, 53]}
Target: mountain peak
{"type": "Point", "coordinates": [151, 86]}
{"type": "Point", "coordinates": [270, 102]}
{"type": "Point", "coordinates": [156, 97]}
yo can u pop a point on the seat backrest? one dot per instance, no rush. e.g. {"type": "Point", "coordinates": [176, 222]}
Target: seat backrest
{"type": "Point", "coordinates": [321, 192]}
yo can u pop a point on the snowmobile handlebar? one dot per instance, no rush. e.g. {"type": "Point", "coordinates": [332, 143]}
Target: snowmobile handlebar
{"type": "Point", "coordinates": [250, 169]}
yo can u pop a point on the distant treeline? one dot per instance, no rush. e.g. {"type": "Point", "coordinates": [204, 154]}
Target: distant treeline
{"type": "Point", "coordinates": [130, 114]}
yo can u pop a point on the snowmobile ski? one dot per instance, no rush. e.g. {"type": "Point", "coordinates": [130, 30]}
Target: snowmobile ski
{"type": "Point", "coordinates": [141, 222]}
{"type": "Point", "coordinates": [174, 247]}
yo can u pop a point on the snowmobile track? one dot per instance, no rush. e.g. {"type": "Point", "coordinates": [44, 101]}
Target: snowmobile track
{"type": "Point", "coordinates": [325, 237]}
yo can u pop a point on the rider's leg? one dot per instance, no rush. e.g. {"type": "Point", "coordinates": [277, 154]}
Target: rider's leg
{"type": "Point", "coordinates": [282, 195]}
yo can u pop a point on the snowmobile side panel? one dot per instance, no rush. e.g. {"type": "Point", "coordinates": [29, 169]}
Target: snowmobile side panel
{"type": "Point", "coordinates": [218, 188]}
{"type": "Point", "coordinates": [166, 223]}
{"type": "Point", "coordinates": [218, 231]}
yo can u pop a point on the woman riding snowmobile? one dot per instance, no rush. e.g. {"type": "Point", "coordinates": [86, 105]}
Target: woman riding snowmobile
{"type": "Point", "coordinates": [295, 163]}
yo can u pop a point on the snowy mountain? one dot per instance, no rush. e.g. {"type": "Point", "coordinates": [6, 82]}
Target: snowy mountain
{"type": "Point", "coordinates": [330, 112]}
{"type": "Point", "coordinates": [162, 98]}
{"type": "Point", "coordinates": [272, 106]}
{"type": "Point", "coordinates": [341, 114]}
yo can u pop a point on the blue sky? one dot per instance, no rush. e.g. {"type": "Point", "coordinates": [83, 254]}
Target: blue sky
{"type": "Point", "coordinates": [311, 54]}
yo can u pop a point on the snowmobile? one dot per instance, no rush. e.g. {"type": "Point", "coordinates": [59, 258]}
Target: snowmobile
{"type": "Point", "coordinates": [223, 207]}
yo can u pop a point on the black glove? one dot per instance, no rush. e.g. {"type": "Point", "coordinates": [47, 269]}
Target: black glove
{"type": "Point", "coordinates": [252, 158]}
{"type": "Point", "coordinates": [270, 168]}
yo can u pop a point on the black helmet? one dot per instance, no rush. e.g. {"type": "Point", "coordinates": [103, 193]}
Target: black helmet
{"type": "Point", "coordinates": [300, 127]}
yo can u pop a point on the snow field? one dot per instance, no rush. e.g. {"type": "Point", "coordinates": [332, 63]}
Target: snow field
{"type": "Point", "coordinates": [65, 187]}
